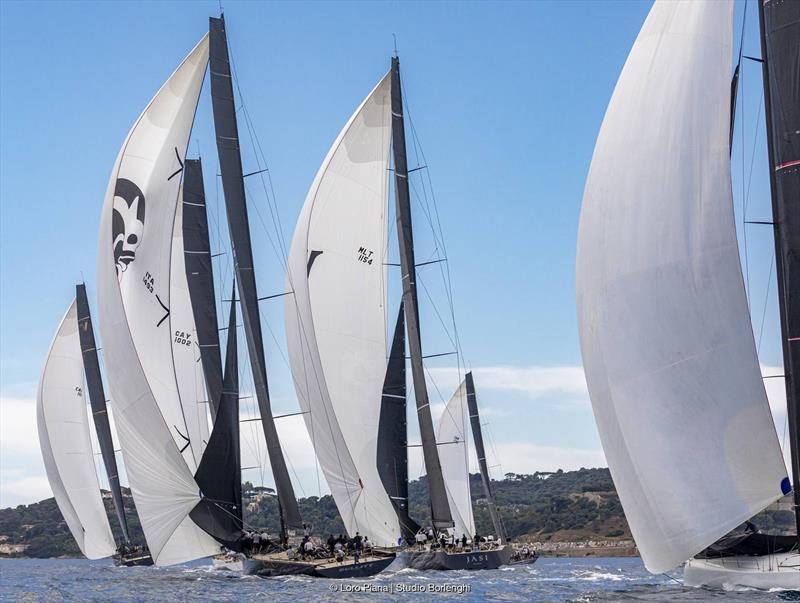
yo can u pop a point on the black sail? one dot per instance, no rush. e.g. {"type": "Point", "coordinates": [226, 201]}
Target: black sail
{"type": "Point", "coordinates": [219, 475]}
{"type": "Point", "coordinates": [780, 52]}
{"type": "Point", "coordinates": [440, 509]}
{"type": "Point", "coordinates": [480, 450]}
{"type": "Point", "coordinates": [97, 398]}
{"type": "Point", "coordinates": [230, 162]}
{"type": "Point", "coordinates": [200, 278]}
{"type": "Point", "coordinates": [393, 432]}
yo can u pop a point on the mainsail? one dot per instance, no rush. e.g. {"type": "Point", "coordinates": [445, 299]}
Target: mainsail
{"type": "Point", "coordinates": [665, 331]}
{"type": "Point", "coordinates": [780, 53]}
{"type": "Point", "coordinates": [66, 444]}
{"type": "Point", "coordinates": [133, 272]}
{"type": "Point", "coordinates": [200, 279]}
{"type": "Point", "coordinates": [186, 355]}
{"type": "Point", "coordinates": [97, 397]}
{"type": "Point", "coordinates": [454, 456]}
{"type": "Point", "coordinates": [336, 319]}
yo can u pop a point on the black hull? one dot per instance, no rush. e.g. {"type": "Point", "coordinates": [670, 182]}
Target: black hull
{"type": "Point", "coordinates": [271, 568]}
{"type": "Point", "coordinates": [138, 560]}
{"type": "Point", "coordinates": [468, 560]}
{"type": "Point", "coordinates": [528, 561]}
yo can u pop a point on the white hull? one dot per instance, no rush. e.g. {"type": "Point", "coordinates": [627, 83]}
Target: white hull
{"type": "Point", "coordinates": [780, 571]}
{"type": "Point", "coordinates": [228, 563]}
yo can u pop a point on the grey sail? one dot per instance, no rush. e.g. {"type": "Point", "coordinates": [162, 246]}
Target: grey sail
{"type": "Point", "coordinates": [780, 51]}
{"type": "Point", "coordinates": [200, 278]}
{"type": "Point", "coordinates": [219, 475]}
{"type": "Point", "coordinates": [393, 433]}
{"type": "Point", "coordinates": [440, 510]}
{"type": "Point", "coordinates": [236, 208]}
{"type": "Point", "coordinates": [480, 450]}
{"type": "Point", "coordinates": [97, 398]}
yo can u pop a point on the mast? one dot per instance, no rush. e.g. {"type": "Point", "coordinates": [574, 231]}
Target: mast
{"type": "Point", "coordinates": [220, 472]}
{"type": "Point", "coordinates": [97, 398]}
{"type": "Point", "coordinates": [230, 162]}
{"type": "Point", "coordinates": [200, 278]}
{"type": "Point", "coordinates": [779, 24]}
{"type": "Point", "coordinates": [477, 436]}
{"type": "Point", "coordinates": [440, 510]}
{"type": "Point", "coordinates": [393, 431]}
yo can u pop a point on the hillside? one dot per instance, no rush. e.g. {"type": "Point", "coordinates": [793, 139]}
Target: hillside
{"type": "Point", "coordinates": [559, 507]}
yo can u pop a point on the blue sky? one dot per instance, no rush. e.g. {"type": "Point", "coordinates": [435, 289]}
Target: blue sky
{"type": "Point", "coordinates": [507, 99]}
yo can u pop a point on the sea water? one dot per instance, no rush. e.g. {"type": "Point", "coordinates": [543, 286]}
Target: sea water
{"type": "Point", "coordinates": [550, 579]}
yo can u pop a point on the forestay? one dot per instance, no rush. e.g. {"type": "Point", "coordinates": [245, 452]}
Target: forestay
{"type": "Point", "coordinates": [65, 440]}
{"type": "Point", "coordinates": [665, 332]}
{"type": "Point", "coordinates": [133, 272]}
{"type": "Point", "coordinates": [336, 319]}
{"type": "Point", "coordinates": [454, 457]}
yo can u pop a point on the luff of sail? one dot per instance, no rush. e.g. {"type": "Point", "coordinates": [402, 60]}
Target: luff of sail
{"type": "Point", "coordinates": [336, 319]}
{"type": "Point", "coordinates": [97, 398]}
{"type": "Point", "coordinates": [66, 444]}
{"type": "Point", "coordinates": [133, 273]}
{"type": "Point", "coordinates": [451, 436]}
{"type": "Point", "coordinates": [665, 331]}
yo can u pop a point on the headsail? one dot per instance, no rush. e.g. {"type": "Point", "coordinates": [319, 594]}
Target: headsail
{"type": "Point", "coordinates": [665, 331]}
{"type": "Point", "coordinates": [336, 319]}
{"type": "Point", "coordinates": [133, 273]}
{"type": "Point", "coordinates": [451, 437]}
{"type": "Point", "coordinates": [65, 439]}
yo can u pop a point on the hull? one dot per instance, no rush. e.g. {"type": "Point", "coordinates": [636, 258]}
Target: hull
{"type": "Point", "coordinates": [781, 571]}
{"type": "Point", "coordinates": [134, 560]}
{"type": "Point", "coordinates": [468, 560]}
{"type": "Point", "coordinates": [228, 563]}
{"type": "Point", "coordinates": [278, 564]}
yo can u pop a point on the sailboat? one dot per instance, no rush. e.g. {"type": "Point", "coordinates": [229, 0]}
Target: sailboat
{"type": "Point", "coordinates": [353, 397]}
{"type": "Point", "coordinates": [66, 442]}
{"type": "Point", "coordinates": [667, 344]}
{"type": "Point", "coordinates": [159, 326]}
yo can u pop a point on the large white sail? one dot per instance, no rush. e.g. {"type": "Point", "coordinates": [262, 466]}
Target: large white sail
{"type": "Point", "coordinates": [336, 319]}
{"type": "Point", "coordinates": [452, 437]}
{"type": "Point", "coordinates": [65, 439]}
{"type": "Point", "coordinates": [133, 272]}
{"type": "Point", "coordinates": [665, 332]}
{"type": "Point", "coordinates": [186, 348]}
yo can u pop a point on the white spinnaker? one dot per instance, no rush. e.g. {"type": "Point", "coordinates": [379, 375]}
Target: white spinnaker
{"type": "Point", "coordinates": [451, 438]}
{"type": "Point", "coordinates": [65, 439]}
{"type": "Point", "coordinates": [336, 319]}
{"type": "Point", "coordinates": [665, 332]}
{"type": "Point", "coordinates": [185, 347]}
{"type": "Point", "coordinates": [134, 318]}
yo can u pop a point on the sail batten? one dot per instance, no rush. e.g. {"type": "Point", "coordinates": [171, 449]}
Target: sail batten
{"type": "Point", "coordinates": [65, 440]}
{"type": "Point", "coordinates": [335, 321]}
{"type": "Point", "coordinates": [665, 331]}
